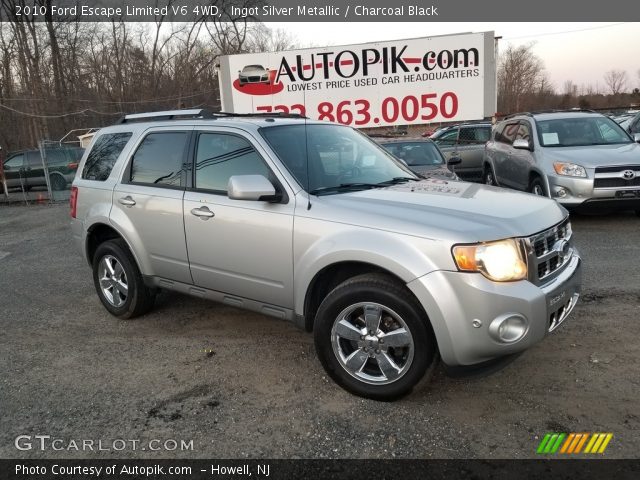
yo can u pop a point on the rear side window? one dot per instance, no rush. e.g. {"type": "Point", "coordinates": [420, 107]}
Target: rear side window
{"type": "Point", "coordinates": [160, 160]}
{"type": "Point", "coordinates": [221, 156]}
{"type": "Point", "coordinates": [103, 155]}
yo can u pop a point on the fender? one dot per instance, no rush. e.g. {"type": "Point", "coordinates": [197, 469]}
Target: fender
{"type": "Point", "coordinates": [406, 257]}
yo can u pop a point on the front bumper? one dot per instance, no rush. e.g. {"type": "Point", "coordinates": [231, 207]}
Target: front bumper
{"type": "Point", "coordinates": [579, 194]}
{"type": "Point", "coordinates": [462, 306]}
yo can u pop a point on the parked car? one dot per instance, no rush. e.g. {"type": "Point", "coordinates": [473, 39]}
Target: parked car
{"type": "Point", "coordinates": [632, 125]}
{"type": "Point", "coordinates": [582, 159]}
{"type": "Point", "coordinates": [465, 141]}
{"type": "Point", "coordinates": [422, 156]}
{"type": "Point", "coordinates": [253, 74]}
{"type": "Point", "coordinates": [26, 168]}
{"type": "Point", "coordinates": [315, 223]}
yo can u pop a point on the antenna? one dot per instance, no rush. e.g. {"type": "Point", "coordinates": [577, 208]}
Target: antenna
{"type": "Point", "coordinates": [306, 150]}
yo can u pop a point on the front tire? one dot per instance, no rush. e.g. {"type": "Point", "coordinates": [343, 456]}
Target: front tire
{"type": "Point", "coordinates": [537, 187]}
{"type": "Point", "coordinates": [372, 337]}
{"type": "Point", "coordinates": [488, 177]}
{"type": "Point", "coordinates": [118, 281]}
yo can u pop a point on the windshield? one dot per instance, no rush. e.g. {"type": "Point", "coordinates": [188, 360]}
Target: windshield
{"type": "Point", "coordinates": [416, 153]}
{"type": "Point", "coordinates": [579, 131]}
{"type": "Point", "coordinates": [336, 156]}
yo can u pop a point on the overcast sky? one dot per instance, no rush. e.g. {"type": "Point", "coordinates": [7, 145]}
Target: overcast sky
{"type": "Point", "coordinates": [580, 52]}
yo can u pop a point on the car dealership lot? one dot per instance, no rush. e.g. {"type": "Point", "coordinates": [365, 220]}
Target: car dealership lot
{"type": "Point", "coordinates": [243, 385]}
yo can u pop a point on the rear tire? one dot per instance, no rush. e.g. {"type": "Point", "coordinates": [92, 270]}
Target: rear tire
{"type": "Point", "coordinates": [373, 338]}
{"type": "Point", "coordinates": [118, 281]}
{"type": "Point", "coordinates": [537, 187]}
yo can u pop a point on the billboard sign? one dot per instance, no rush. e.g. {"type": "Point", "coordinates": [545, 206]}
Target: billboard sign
{"type": "Point", "coordinates": [401, 82]}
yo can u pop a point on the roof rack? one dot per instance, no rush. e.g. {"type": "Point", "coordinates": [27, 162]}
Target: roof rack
{"type": "Point", "coordinates": [198, 113]}
{"type": "Point", "coordinates": [538, 112]}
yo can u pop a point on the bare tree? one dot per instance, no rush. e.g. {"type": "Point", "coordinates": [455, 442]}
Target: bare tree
{"type": "Point", "coordinates": [616, 81]}
{"type": "Point", "coordinates": [520, 77]}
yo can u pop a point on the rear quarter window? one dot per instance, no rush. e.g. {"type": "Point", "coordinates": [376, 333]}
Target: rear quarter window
{"type": "Point", "coordinates": [104, 154]}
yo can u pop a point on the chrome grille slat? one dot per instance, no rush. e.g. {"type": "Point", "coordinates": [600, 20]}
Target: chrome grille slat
{"type": "Point", "coordinates": [545, 261]}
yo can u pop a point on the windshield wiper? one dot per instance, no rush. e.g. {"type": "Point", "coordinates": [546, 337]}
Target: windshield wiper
{"type": "Point", "coordinates": [396, 180]}
{"type": "Point", "coordinates": [345, 187]}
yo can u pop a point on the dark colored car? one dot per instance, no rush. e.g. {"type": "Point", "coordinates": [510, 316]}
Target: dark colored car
{"type": "Point", "coordinates": [26, 168]}
{"type": "Point", "coordinates": [466, 142]}
{"type": "Point", "coordinates": [421, 155]}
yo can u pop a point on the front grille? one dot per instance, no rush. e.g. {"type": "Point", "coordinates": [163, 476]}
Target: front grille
{"type": "Point", "coordinates": [550, 251]}
{"type": "Point", "coordinates": [612, 182]}
{"type": "Point", "coordinates": [617, 168]}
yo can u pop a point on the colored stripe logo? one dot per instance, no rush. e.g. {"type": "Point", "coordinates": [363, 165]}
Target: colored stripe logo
{"type": "Point", "coordinates": [574, 443]}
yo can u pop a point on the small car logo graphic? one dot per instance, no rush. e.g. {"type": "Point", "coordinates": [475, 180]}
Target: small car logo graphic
{"type": "Point", "coordinates": [628, 174]}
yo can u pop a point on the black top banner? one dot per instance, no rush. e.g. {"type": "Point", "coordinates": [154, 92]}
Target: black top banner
{"type": "Point", "coordinates": [320, 10]}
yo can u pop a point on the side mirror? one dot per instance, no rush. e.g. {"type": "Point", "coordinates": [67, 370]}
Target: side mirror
{"type": "Point", "coordinates": [251, 187]}
{"type": "Point", "coordinates": [636, 137]}
{"type": "Point", "coordinates": [521, 144]}
{"type": "Point", "coordinates": [454, 161]}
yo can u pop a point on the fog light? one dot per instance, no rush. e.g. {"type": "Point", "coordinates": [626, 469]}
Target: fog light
{"type": "Point", "coordinates": [508, 328]}
{"type": "Point", "coordinates": [561, 192]}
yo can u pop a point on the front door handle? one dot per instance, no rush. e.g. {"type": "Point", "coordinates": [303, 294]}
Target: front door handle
{"type": "Point", "coordinates": [127, 201]}
{"type": "Point", "coordinates": [203, 212]}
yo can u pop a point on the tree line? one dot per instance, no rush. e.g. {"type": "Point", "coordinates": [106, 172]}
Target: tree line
{"type": "Point", "coordinates": [523, 85]}
{"type": "Point", "coordinates": [57, 76]}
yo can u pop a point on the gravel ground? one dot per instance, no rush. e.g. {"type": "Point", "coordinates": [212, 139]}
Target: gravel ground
{"type": "Point", "coordinates": [243, 385]}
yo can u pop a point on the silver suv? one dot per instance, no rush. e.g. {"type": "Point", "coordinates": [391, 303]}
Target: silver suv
{"type": "Point", "coordinates": [583, 159]}
{"type": "Point", "coordinates": [466, 142]}
{"type": "Point", "coordinates": [314, 223]}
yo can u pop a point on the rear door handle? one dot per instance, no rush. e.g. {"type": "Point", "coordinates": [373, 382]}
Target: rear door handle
{"type": "Point", "coordinates": [203, 212]}
{"type": "Point", "coordinates": [127, 201]}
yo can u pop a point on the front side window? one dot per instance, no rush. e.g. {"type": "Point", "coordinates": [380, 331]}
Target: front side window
{"type": "Point", "coordinates": [508, 133]}
{"type": "Point", "coordinates": [160, 160]}
{"type": "Point", "coordinates": [447, 138]}
{"type": "Point", "coordinates": [14, 163]}
{"type": "Point", "coordinates": [104, 154]}
{"type": "Point", "coordinates": [221, 156]}
{"type": "Point", "coordinates": [580, 131]}
{"type": "Point", "coordinates": [330, 158]}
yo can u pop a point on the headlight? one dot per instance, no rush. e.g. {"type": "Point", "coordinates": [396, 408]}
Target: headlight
{"type": "Point", "coordinates": [501, 261]}
{"type": "Point", "coordinates": [569, 169]}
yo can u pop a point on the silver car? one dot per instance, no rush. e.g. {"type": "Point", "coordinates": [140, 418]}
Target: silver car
{"type": "Point", "coordinates": [253, 74]}
{"type": "Point", "coordinates": [314, 223]}
{"type": "Point", "coordinates": [582, 159]}
{"type": "Point", "coordinates": [465, 142]}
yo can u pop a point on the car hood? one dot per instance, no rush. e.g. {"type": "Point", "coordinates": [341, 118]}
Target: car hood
{"type": "Point", "coordinates": [442, 210]}
{"type": "Point", "coordinates": [253, 71]}
{"type": "Point", "coordinates": [592, 156]}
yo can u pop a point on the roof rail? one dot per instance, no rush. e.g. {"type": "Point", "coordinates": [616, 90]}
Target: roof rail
{"type": "Point", "coordinates": [198, 113]}
{"type": "Point", "coordinates": [165, 115]}
{"type": "Point", "coordinates": [561, 110]}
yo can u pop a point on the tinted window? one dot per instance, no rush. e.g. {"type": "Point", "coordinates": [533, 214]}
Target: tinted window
{"type": "Point", "coordinates": [447, 138]}
{"type": "Point", "coordinates": [159, 160]}
{"type": "Point", "coordinates": [508, 133]}
{"type": "Point", "coordinates": [219, 157]}
{"type": "Point", "coordinates": [524, 132]}
{"type": "Point", "coordinates": [14, 162]}
{"type": "Point", "coordinates": [34, 160]}
{"type": "Point", "coordinates": [103, 155]}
